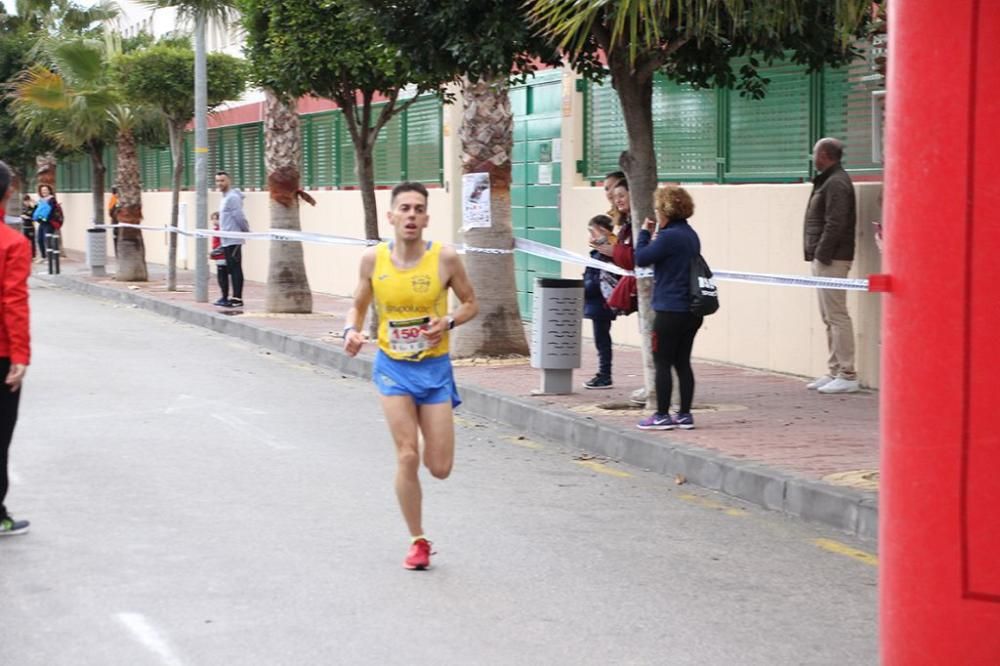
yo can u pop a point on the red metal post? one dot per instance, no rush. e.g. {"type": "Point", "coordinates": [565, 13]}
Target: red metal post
{"type": "Point", "coordinates": [940, 500]}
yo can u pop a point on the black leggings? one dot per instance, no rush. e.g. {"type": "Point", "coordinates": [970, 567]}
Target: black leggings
{"type": "Point", "coordinates": [8, 418]}
{"type": "Point", "coordinates": [673, 338]}
{"type": "Point", "coordinates": [222, 274]}
{"type": "Point", "coordinates": [234, 262]}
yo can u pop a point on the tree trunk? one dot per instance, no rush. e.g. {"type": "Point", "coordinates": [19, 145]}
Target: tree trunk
{"type": "Point", "coordinates": [487, 136]}
{"type": "Point", "coordinates": [97, 173]}
{"type": "Point", "coordinates": [130, 247]}
{"type": "Point", "coordinates": [46, 170]}
{"type": "Point", "coordinates": [287, 282]}
{"type": "Point", "coordinates": [639, 165]}
{"type": "Point", "coordinates": [177, 153]}
{"type": "Point", "coordinates": [365, 159]}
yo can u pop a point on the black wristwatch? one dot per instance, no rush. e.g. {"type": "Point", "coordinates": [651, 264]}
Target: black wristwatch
{"type": "Point", "coordinates": [451, 322]}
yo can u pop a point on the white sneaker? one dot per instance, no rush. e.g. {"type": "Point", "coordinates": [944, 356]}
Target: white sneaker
{"type": "Point", "coordinates": [818, 382]}
{"type": "Point", "coordinates": [840, 385]}
{"type": "Point", "coordinates": [638, 397]}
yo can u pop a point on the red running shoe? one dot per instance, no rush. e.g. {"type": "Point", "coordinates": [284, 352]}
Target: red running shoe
{"type": "Point", "coordinates": [419, 556]}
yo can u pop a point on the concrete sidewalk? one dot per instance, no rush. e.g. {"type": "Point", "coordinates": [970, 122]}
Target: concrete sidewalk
{"type": "Point", "coordinates": [761, 437]}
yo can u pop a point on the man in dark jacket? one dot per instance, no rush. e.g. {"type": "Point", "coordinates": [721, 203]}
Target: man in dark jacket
{"type": "Point", "coordinates": [829, 245]}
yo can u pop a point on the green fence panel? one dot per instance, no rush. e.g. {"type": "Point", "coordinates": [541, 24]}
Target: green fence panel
{"type": "Point", "coordinates": [253, 159]}
{"type": "Point", "coordinates": [769, 139]}
{"type": "Point", "coordinates": [165, 168]}
{"type": "Point", "coordinates": [424, 141]}
{"type": "Point", "coordinates": [848, 105]}
{"type": "Point", "coordinates": [321, 149]}
{"type": "Point", "coordinates": [685, 131]}
{"type": "Point", "coordinates": [387, 154]}
{"type": "Point", "coordinates": [604, 134]}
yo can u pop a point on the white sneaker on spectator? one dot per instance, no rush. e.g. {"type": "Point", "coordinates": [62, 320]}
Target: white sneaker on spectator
{"type": "Point", "coordinates": [638, 397]}
{"type": "Point", "coordinates": [819, 382]}
{"type": "Point", "coordinates": [840, 385]}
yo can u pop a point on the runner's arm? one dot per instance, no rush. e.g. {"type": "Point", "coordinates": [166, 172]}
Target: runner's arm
{"type": "Point", "coordinates": [459, 283]}
{"type": "Point", "coordinates": [355, 319]}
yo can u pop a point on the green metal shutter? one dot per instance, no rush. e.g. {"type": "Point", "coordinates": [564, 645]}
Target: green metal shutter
{"type": "Point", "coordinates": [323, 134]}
{"type": "Point", "coordinates": [847, 112]}
{"type": "Point", "coordinates": [769, 139]}
{"type": "Point", "coordinates": [230, 154]}
{"type": "Point", "coordinates": [253, 160]}
{"type": "Point", "coordinates": [685, 131]}
{"type": "Point", "coordinates": [387, 154]}
{"type": "Point", "coordinates": [165, 168]}
{"type": "Point", "coordinates": [347, 169]}
{"type": "Point", "coordinates": [604, 133]}
{"type": "Point", "coordinates": [424, 141]}
{"type": "Point", "coordinates": [147, 156]}
{"type": "Point", "coordinates": [213, 155]}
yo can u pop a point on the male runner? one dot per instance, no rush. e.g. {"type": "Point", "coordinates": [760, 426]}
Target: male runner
{"type": "Point", "coordinates": [409, 279]}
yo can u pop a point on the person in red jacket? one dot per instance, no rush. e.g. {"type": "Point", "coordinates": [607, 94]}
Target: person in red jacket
{"type": "Point", "coordinates": [15, 340]}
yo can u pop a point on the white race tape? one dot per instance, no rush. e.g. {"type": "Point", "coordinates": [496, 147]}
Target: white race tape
{"type": "Point", "coordinates": [520, 245]}
{"type": "Point", "coordinates": [11, 219]}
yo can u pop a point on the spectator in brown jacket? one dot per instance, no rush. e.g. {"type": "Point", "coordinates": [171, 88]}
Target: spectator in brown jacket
{"type": "Point", "coordinates": [829, 245]}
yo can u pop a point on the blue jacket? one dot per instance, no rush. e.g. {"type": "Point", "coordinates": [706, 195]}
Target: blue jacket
{"type": "Point", "coordinates": [670, 256]}
{"type": "Point", "coordinates": [594, 305]}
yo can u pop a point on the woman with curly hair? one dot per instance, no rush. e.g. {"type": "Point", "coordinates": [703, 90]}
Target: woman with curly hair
{"type": "Point", "coordinates": [674, 326]}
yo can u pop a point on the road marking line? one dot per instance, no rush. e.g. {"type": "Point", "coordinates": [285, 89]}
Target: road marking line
{"type": "Point", "coordinates": [845, 550]}
{"type": "Point", "coordinates": [252, 431]}
{"type": "Point", "coordinates": [706, 503]}
{"type": "Point", "coordinates": [523, 442]}
{"type": "Point", "coordinates": [144, 632]}
{"type": "Point", "coordinates": [603, 469]}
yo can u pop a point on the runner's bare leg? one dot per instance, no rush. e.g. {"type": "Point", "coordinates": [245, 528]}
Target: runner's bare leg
{"type": "Point", "coordinates": [437, 424]}
{"type": "Point", "coordinates": [401, 415]}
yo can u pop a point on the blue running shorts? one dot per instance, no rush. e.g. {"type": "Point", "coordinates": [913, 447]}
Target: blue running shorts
{"type": "Point", "coordinates": [428, 382]}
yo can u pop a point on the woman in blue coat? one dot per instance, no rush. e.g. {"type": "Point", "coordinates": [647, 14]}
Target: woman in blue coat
{"type": "Point", "coordinates": [674, 326]}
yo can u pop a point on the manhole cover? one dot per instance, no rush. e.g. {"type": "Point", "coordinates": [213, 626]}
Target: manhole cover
{"type": "Point", "coordinates": [862, 479]}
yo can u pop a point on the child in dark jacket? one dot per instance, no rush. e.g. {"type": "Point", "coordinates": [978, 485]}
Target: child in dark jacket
{"type": "Point", "coordinates": [597, 286]}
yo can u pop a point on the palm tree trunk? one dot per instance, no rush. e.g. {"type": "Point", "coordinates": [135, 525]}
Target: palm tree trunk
{"type": "Point", "coordinates": [45, 172]}
{"type": "Point", "coordinates": [639, 165]}
{"type": "Point", "coordinates": [487, 136]}
{"type": "Point", "coordinates": [287, 282]}
{"type": "Point", "coordinates": [130, 247]}
{"type": "Point", "coordinates": [177, 153]}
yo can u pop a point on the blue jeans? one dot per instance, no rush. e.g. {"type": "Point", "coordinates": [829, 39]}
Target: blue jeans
{"type": "Point", "coordinates": [44, 229]}
{"type": "Point", "coordinates": [602, 340]}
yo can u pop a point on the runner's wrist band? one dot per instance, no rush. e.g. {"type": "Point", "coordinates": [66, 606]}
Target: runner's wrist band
{"type": "Point", "coordinates": [348, 329]}
{"type": "Point", "coordinates": [451, 322]}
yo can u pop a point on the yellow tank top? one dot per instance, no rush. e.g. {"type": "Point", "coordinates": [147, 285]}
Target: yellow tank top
{"type": "Point", "coordinates": [406, 300]}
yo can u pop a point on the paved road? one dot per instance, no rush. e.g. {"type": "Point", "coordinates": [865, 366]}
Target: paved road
{"type": "Point", "coordinates": [198, 501]}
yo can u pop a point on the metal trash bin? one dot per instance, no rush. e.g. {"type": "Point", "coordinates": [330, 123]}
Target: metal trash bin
{"type": "Point", "coordinates": [557, 321]}
{"type": "Point", "coordinates": [97, 251]}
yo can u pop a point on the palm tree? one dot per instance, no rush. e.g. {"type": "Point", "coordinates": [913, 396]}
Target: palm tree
{"type": "Point", "coordinates": [487, 137]}
{"type": "Point", "coordinates": [131, 249]}
{"type": "Point", "coordinates": [67, 97]}
{"type": "Point", "coordinates": [287, 283]}
{"type": "Point", "coordinates": [74, 102]}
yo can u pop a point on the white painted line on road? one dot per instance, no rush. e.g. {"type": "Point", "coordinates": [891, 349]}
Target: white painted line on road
{"type": "Point", "coordinates": [252, 432]}
{"type": "Point", "coordinates": [150, 638]}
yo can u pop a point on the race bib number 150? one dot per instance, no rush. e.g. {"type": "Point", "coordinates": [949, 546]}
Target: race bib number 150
{"type": "Point", "coordinates": [405, 336]}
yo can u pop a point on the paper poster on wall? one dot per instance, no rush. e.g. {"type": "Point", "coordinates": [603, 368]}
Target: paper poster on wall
{"type": "Point", "coordinates": [476, 200]}
{"type": "Point", "coordinates": [544, 174]}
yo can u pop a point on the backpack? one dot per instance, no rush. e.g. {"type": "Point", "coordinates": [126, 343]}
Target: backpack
{"type": "Point", "coordinates": [704, 295]}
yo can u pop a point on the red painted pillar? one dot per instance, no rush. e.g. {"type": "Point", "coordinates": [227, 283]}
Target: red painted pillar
{"type": "Point", "coordinates": [940, 502]}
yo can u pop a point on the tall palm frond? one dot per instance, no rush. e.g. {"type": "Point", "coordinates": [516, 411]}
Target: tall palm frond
{"type": "Point", "coordinates": [221, 11]}
{"type": "Point", "coordinates": [644, 24]}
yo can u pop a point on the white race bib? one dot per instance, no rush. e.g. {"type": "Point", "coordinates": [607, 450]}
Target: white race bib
{"type": "Point", "coordinates": [406, 335]}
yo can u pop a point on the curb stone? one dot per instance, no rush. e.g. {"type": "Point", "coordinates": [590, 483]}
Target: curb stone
{"type": "Point", "coordinates": [845, 509]}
